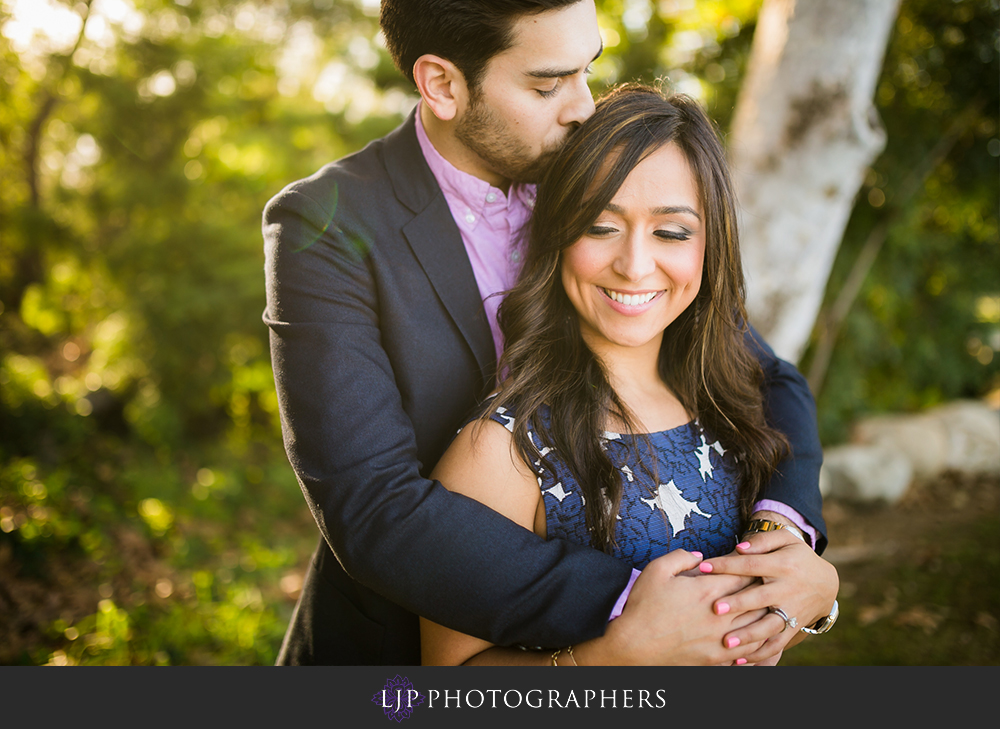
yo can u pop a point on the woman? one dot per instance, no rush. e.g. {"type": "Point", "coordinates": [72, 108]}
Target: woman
{"type": "Point", "coordinates": [630, 416]}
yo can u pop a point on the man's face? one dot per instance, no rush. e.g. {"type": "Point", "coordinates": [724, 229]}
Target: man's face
{"type": "Point", "coordinates": [532, 95]}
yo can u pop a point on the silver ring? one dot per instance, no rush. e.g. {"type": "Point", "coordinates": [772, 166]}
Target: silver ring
{"type": "Point", "coordinates": [789, 622]}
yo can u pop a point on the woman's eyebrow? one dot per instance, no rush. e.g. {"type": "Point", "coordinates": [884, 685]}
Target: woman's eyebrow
{"type": "Point", "coordinates": [674, 209]}
{"type": "Point", "coordinates": [664, 210]}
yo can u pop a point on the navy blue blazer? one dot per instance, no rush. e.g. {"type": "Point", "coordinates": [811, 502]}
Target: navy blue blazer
{"type": "Point", "coordinates": [381, 348]}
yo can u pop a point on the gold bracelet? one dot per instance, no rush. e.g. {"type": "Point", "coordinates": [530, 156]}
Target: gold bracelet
{"type": "Point", "coordinates": [569, 651]}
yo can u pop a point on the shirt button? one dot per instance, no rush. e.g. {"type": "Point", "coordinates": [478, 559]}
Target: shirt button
{"type": "Point", "coordinates": [491, 197]}
{"type": "Point", "coordinates": [470, 218]}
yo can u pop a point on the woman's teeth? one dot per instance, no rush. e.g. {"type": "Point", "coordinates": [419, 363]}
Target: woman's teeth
{"type": "Point", "coordinates": [630, 299]}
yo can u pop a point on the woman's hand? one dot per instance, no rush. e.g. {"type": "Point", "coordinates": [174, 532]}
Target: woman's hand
{"type": "Point", "coordinates": [668, 619]}
{"type": "Point", "coordinates": [791, 576]}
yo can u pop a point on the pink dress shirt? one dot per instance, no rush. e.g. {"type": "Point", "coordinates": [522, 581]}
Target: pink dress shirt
{"type": "Point", "coordinates": [493, 226]}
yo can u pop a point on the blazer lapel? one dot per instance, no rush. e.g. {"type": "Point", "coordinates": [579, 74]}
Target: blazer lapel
{"type": "Point", "coordinates": [437, 243]}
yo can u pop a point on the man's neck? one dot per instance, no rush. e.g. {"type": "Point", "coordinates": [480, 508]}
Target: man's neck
{"type": "Point", "coordinates": [442, 135]}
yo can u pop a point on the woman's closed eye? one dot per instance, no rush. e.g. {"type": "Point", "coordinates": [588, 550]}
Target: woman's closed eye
{"type": "Point", "coordinates": [673, 234]}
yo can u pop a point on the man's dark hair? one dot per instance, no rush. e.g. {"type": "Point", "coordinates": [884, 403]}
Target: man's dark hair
{"type": "Point", "coordinates": [466, 32]}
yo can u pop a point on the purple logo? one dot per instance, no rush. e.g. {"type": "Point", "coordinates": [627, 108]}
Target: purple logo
{"type": "Point", "coordinates": [398, 698]}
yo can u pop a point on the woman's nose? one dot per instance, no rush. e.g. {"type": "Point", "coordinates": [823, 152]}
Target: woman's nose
{"type": "Point", "coordinates": [635, 259]}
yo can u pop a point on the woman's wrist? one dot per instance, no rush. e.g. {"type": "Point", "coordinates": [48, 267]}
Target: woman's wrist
{"type": "Point", "coordinates": [588, 653]}
{"type": "Point", "coordinates": [608, 650]}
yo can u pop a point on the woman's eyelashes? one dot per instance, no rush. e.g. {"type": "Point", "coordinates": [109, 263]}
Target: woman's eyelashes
{"type": "Point", "coordinates": [674, 234]}
{"type": "Point", "coordinates": [668, 234]}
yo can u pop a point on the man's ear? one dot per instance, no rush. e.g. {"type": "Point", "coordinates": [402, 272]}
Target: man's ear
{"type": "Point", "coordinates": [441, 85]}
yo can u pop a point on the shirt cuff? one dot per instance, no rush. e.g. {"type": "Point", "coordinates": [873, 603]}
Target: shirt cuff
{"type": "Point", "coordinates": [789, 513]}
{"type": "Point", "coordinates": [620, 605]}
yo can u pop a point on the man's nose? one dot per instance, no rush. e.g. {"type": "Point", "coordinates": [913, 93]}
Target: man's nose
{"type": "Point", "coordinates": [580, 105]}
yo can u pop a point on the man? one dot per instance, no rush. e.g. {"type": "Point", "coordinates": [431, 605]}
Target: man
{"type": "Point", "coordinates": [377, 269]}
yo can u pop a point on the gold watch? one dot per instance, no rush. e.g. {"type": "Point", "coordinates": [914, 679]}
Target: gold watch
{"type": "Point", "coordinates": [765, 525]}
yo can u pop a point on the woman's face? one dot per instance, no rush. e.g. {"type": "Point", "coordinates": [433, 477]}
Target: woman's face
{"type": "Point", "coordinates": [639, 266]}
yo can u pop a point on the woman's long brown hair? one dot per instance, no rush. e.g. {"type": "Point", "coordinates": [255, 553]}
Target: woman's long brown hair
{"type": "Point", "coordinates": [704, 358]}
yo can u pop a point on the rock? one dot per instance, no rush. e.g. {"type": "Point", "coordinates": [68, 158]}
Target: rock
{"type": "Point", "coordinates": [865, 473]}
{"type": "Point", "coordinates": [974, 437]}
{"type": "Point", "coordinates": [918, 438]}
{"type": "Point", "coordinates": [891, 452]}
{"type": "Point", "coordinates": [963, 436]}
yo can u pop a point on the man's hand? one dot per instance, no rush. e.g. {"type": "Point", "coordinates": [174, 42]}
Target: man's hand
{"type": "Point", "coordinates": [791, 576]}
{"type": "Point", "coordinates": [668, 619]}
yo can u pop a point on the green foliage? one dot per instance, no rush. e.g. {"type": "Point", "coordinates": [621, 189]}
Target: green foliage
{"type": "Point", "coordinates": [139, 434]}
{"type": "Point", "coordinates": [159, 561]}
{"type": "Point", "coordinates": [926, 326]}
{"type": "Point", "coordinates": [697, 48]}
{"type": "Point", "coordinates": [141, 472]}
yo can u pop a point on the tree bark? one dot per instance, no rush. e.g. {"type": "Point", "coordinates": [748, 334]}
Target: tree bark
{"type": "Point", "coordinates": [804, 132]}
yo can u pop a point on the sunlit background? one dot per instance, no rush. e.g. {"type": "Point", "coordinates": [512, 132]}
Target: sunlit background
{"type": "Point", "coordinates": [147, 512]}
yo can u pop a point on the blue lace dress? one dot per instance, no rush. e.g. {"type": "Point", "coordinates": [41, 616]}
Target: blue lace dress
{"type": "Point", "coordinates": [693, 504]}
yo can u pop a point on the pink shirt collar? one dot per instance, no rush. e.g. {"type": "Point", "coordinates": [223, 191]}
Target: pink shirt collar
{"type": "Point", "coordinates": [492, 226]}
{"type": "Point", "coordinates": [468, 190]}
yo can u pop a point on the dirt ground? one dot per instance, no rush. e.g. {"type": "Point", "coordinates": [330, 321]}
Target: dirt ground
{"type": "Point", "coordinates": [919, 580]}
{"type": "Point", "coordinates": [861, 533]}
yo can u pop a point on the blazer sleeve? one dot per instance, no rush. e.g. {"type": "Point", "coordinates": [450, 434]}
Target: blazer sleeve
{"type": "Point", "coordinates": [354, 451]}
{"type": "Point", "coordinates": [791, 409]}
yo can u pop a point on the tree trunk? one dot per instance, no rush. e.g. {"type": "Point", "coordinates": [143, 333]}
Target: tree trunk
{"type": "Point", "coordinates": [804, 132]}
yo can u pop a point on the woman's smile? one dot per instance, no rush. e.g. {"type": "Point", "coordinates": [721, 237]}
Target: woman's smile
{"type": "Point", "coordinates": [629, 303]}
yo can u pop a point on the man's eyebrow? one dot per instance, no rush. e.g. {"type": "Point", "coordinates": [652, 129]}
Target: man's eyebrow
{"type": "Point", "coordinates": [664, 210]}
{"type": "Point", "coordinates": [560, 73]}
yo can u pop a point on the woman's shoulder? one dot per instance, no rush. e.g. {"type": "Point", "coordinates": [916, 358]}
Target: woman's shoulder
{"type": "Point", "coordinates": [482, 463]}
{"type": "Point", "coordinates": [504, 415]}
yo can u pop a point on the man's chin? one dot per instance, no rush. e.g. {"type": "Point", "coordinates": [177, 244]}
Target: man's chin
{"type": "Point", "coordinates": [532, 173]}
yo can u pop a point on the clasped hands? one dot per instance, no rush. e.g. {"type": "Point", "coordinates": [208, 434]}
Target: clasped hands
{"type": "Point", "coordinates": [684, 610]}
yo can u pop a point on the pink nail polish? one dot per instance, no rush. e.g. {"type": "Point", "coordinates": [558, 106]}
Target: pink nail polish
{"type": "Point", "coordinates": [722, 608]}
{"type": "Point", "coordinates": [732, 642]}
{"type": "Point", "coordinates": [705, 567]}
{"type": "Point", "coordinates": [743, 545]}
{"type": "Point", "coordinates": [740, 661]}
{"type": "Point", "coordinates": [699, 555]}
